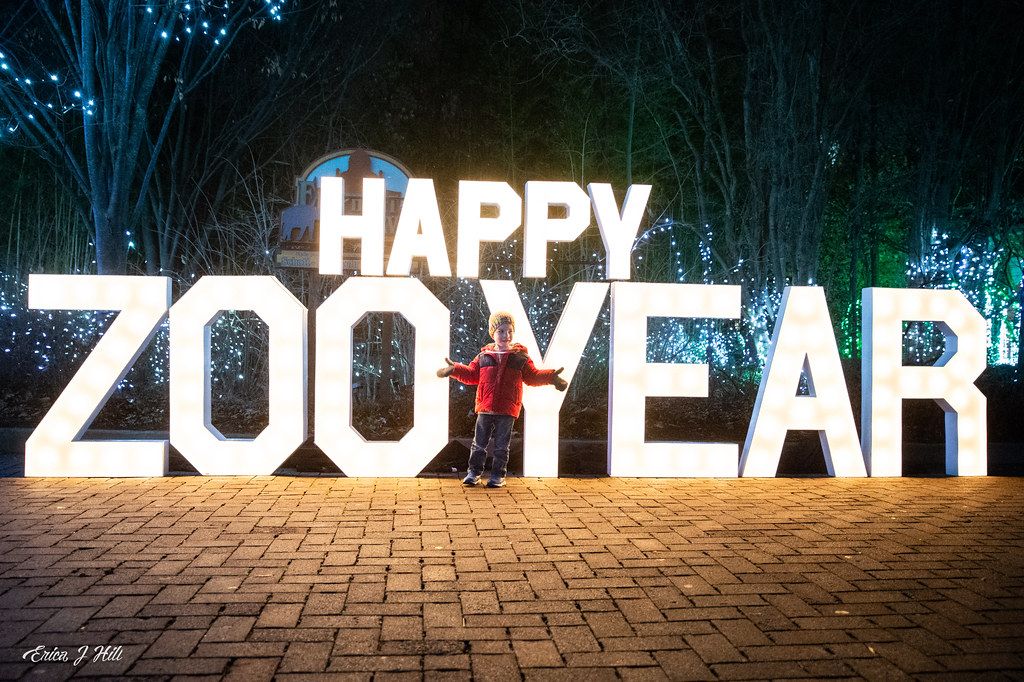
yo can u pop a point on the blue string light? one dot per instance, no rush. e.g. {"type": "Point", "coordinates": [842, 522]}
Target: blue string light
{"type": "Point", "coordinates": [178, 25]}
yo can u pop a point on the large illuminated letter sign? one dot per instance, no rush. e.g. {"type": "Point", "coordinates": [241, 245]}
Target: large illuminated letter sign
{"type": "Point", "coordinates": [802, 341]}
{"type": "Point", "coordinates": [541, 229]}
{"type": "Point", "coordinates": [419, 212]}
{"type": "Point", "coordinates": [475, 228]}
{"type": "Point", "coordinates": [633, 379]}
{"type": "Point", "coordinates": [53, 449]}
{"type": "Point", "coordinates": [540, 436]}
{"type": "Point", "coordinates": [950, 382]}
{"type": "Point", "coordinates": [335, 434]}
{"type": "Point", "coordinates": [618, 230]}
{"type": "Point", "coordinates": [368, 227]}
{"type": "Point", "coordinates": [192, 431]}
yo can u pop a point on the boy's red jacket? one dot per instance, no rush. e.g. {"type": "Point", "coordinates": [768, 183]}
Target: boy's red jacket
{"type": "Point", "coordinates": [499, 378]}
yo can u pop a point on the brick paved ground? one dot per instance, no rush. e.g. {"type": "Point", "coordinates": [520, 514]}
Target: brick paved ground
{"type": "Point", "coordinates": [590, 578]}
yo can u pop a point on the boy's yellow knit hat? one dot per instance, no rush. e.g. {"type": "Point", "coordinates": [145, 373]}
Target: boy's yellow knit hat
{"type": "Point", "coordinates": [499, 318]}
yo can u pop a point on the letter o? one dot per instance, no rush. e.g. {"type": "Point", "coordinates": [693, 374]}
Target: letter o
{"type": "Point", "coordinates": [192, 431]}
{"type": "Point", "coordinates": [334, 433]}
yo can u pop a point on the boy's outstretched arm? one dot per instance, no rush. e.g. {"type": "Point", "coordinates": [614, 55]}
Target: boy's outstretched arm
{"type": "Point", "coordinates": [540, 377]}
{"type": "Point", "coordinates": [447, 369]}
{"type": "Point", "coordinates": [467, 374]}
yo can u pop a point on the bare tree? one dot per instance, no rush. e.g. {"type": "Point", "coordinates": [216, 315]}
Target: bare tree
{"type": "Point", "coordinates": [93, 86]}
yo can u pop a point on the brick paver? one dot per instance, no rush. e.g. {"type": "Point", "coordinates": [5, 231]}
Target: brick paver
{"type": "Point", "coordinates": [270, 577]}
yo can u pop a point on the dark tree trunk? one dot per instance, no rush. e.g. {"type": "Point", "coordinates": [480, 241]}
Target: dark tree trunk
{"type": "Point", "coordinates": [111, 246]}
{"type": "Point", "coordinates": [1020, 329]}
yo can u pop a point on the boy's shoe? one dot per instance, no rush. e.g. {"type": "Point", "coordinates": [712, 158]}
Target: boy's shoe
{"type": "Point", "coordinates": [471, 479]}
{"type": "Point", "coordinates": [496, 482]}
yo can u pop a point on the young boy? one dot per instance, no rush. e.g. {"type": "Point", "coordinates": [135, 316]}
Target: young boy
{"type": "Point", "coordinates": [499, 372]}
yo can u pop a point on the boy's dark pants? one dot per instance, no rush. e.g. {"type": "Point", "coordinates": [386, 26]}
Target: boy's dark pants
{"type": "Point", "coordinates": [498, 426]}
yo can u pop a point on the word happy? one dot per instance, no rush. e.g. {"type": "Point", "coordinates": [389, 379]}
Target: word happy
{"type": "Point", "coordinates": [802, 344]}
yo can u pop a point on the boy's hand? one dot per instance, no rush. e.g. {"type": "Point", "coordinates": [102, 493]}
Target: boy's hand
{"type": "Point", "coordinates": [445, 371]}
{"type": "Point", "coordinates": [558, 382]}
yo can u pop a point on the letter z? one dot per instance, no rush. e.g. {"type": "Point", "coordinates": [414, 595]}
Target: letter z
{"type": "Point", "coordinates": [53, 449]}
